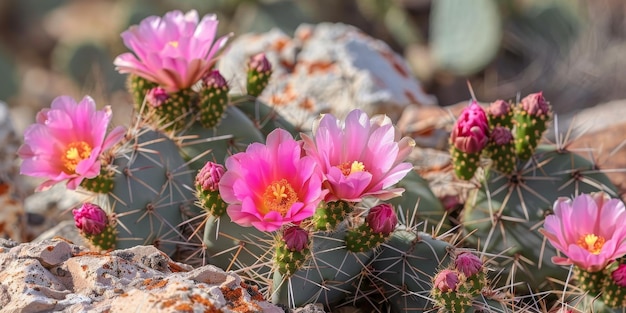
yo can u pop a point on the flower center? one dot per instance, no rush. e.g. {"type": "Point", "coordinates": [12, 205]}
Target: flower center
{"type": "Point", "coordinates": [279, 197]}
{"type": "Point", "coordinates": [348, 168]}
{"type": "Point", "coordinates": [591, 243]}
{"type": "Point", "coordinates": [75, 152]}
{"type": "Point", "coordinates": [173, 43]}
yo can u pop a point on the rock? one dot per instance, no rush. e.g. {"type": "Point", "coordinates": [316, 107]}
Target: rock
{"type": "Point", "coordinates": [326, 68]}
{"type": "Point", "coordinates": [55, 275]}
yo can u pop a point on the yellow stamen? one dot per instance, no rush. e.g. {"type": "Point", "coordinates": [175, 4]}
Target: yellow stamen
{"type": "Point", "coordinates": [591, 243]}
{"type": "Point", "coordinates": [348, 168]}
{"type": "Point", "coordinates": [75, 152]}
{"type": "Point", "coordinates": [173, 43]}
{"type": "Point", "coordinates": [279, 197]}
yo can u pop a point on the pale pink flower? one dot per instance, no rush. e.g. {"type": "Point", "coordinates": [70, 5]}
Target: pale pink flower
{"type": "Point", "coordinates": [471, 130]}
{"type": "Point", "coordinates": [363, 157]}
{"type": "Point", "coordinates": [90, 218]}
{"type": "Point", "coordinates": [174, 51]}
{"type": "Point", "coordinates": [589, 230]}
{"type": "Point", "coordinates": [270, 185]}
{"type": "Point", "coordinates": [66, 142]}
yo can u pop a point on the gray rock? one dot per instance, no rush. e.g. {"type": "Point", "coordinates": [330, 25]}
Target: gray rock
{"type": "Point", "coordinates": [326, 68]}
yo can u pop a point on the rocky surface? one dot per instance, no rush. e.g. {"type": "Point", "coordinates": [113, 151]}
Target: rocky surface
{"type": "Point", "coordinates": [56, 275]}
{"type": "Point", "coordinates": [326, 68]}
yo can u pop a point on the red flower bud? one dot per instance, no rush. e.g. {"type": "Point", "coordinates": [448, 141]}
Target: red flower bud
{"type": "Point", "coordinates": [468, 264]}
{"type": "Point", "coordinates": [214, 80]}
{"type": "Point", "coordinates": [260, 63]}
{"type": "Point", "coordinates": [382, 218]}
{"type": "Point", "coordinates": [471, 131]}
{"type": "Point", "coordinates": [209, 176]}
{"type": "Point", "coordinates": [296, 239]}
{"type": "Point", "coordinates": [90, 218]}
{"type": "Point", "coordinates": [499, 108]}
{"type": "Point", "coordinates": [619, 275]}
{"type": "Point", "coordinates": [156, 96]}
{"type": "Point", "coordinates": [535, 104]}
{"type": "Point", "coordinates": [446, 280]}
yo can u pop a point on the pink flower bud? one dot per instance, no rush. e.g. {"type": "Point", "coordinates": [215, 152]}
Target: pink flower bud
{"type": "Point", "coordinates": [468, 264]}
{"type": "Point", "coordinates": [446, 280]}
{"type": "Point", "coordinates": [214, 80]}
{"type": "Point", "coordinates": [382, 219]}
{"type": "Point", "coordinates": [535, 104]}
{"type": "Point", "coordinates": [296, 239]}
{"type": "Point", "coordinates": [90, 218]}
{"type": "Point", "coordinates": [209, 176]}
{"type": "Point", "coordinates": [501, 135]}
{"type": "Point", "coordinates": [619, 275]}
{"type": "Point", "coordinates": [499, 108]}
{"type": "Point", "coordinates": [260, 63]}
{"type": "Point", "coordinates": [471, 131]}
{"type": "Point", "coordinates": [156, 97]}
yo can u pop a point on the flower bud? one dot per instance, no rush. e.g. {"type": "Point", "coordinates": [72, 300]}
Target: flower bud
{"type": "Point", "coordinates": [535, 104]}
{"type": "Point", "coordinates": [468, 264]}
{"type": "Point", "coordinates": [499, 108]}
{"type": "Point", "coordinates": [260, 63]}
{"type": "Point", "coordinates": [156, 97]}
{"type": "Point", "coordinates": [209, 176]}
{"type": "Point", "coordinates": [382, 219]}
{"type": "Point", "coordinates": [446, 280]}
{"type": "Point", "coordinates": [296, 239]}
{"type": "Point", "coordinates": [501, 135]}
{"type": "Point", "coordinates": [471, 131]}
{"type": "Point", "coordinates": [619, 275]}
{"type": "Point", "coordinates": [90, 219]}
{"type": "Point", "coordinates": [214, 79]}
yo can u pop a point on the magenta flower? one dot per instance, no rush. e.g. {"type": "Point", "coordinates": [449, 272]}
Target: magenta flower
{"type": "Point", "coordinates": [175, 51]}
{"type": "Point", "coordinates": [447, 280]}
{"type": "Point", "coordinates": [382, 219]}
{"type": "Point", "coordinates": [471, 131]}
{"type": "Point", "coordinates": [362, 158]}
{"type": "Point", "coordinates": [66, 142]}
{"type": "Point", "coordinates": [589, 230]}
{"type": "Point", "coordinates": [270, 185]}
{"type": "Point", "coordinates": [90, 219]}
{"type": "Point", "coordinates": [468, 264]}
{"type": "Point", "coordinates": [296, 239]}
{"type": "Point", "coordinates": [619, 275]}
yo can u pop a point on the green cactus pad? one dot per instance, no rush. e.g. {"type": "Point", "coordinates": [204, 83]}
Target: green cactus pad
{"type": "Point", "coordinates": [265, 117]}
{"type": "Point", "coordinates": [418, 200]}
{"type": "Point", "coordinates": [175, 112]}
{"type": "Point", "coordinates": [211, 201]}
{"type": "Point", "coordinates": [362, 239]}
{"type": "Point", "coordinates": [102, 183]}
{"type": "Point", "coordinates": [591, 282]}
{"type": "Point", "coordinates": [465, 164]}
{"type": "Point", "coordinates": [106, 240]}
{"type": "Point", "coordinates": [329, 214]}
{"type": "Point", "coordinates": [528, 132]}
{"type": "Point", "coordinates": [503, 156]}
{"type": "Point", "coordinates": [454, 301]}
{"type": "Point", "coordinates": [212, 103]}
{"type": "Point", "coordinates": [138, 87]}
{"type": "Point", "coordinates": [257, 81]}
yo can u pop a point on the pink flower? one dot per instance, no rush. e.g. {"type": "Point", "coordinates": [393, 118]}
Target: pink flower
{"type": "Point", "coordinates": [156, 97]}
{"type": "Point", "coordinates": [362, 158]}
{"type": "Point", "coordinates": [90, 218]}
{"type": "Point", "coordinates": [175, 51]}
{"type": "Point", "coordinates": [446, 280]}
{"type": "Point", "coordinates": [296, 239]}
{"type": "Point", "coordinates": [270, 185]}
{"type": "Point", "coordinates": [471, 131]}
{"type": "Point", "coordinates": [382, 219]}
{"type": "Point", "coordinates": [499, 108]}
{"type": "Point", "coordinates": [589, 230]}
{"type": "Point", "coordinates": [535, 104]}
{"type": "Point", "coordinates": [619, 275]}
{"type": "Point", "coordinates": [468, 264]}
{"type": "Point", "coordinates": [66, 142]}
{"type": "Point", "coordinates": [209, 176]}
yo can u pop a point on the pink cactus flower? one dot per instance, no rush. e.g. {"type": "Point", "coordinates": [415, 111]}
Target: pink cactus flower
{"type": "Point", "coordinates": [66, 142]}
{"type": "Point", "coordinates": [535, 104]}
{"type": "Point", "coordinates": [619, 275]}
{"type": "Point", "coordinates": [471, 131]}
{"type": "Point", "coordinates": [364, 157]}
{"type": "Point", "coordinates": [270, 185]}
{"type": "Point", "coordinates": [209, 176]}
{"type": "Point", "coordinates": [174, 51]}
{"type": "Point", "coordinates": [90, 218]}
{"type": "Point", "coordinates": [296, 239]}
{"type": "Point", "coordinates": [589, 230]}
{"type": "Point", "coordinates": [447, 280]}
{"type": "Point", "coordinates": [468, 264]}
{"type": "Point", "coordinates": [382, 219]}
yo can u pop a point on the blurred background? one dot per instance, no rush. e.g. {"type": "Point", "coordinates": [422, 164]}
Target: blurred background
{"type": "Point", "coordinates": [575, 51]}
